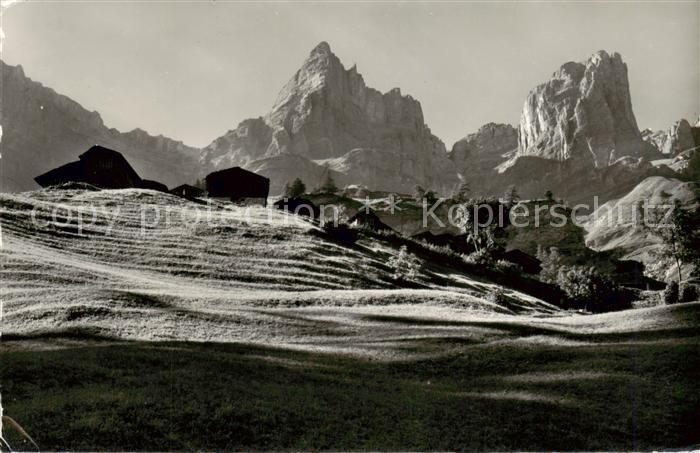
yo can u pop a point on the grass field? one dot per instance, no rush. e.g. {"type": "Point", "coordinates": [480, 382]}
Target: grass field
{"type": "Point", "coordinates": [634, 391]}
{"type": "Point", "coordinates": [253, 333]}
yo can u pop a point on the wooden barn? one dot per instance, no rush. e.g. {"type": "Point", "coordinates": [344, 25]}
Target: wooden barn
{"type": "Point", "coordinates": [368, 219]}
{"type": "Point", "coordinates": [187, 191]}
{"type": "Point", "coordinates": [528, 263]}
{"type": "Point", "coordinates": [102, 167]}
{"type": "Point", "coordinates": [238, 185]}
{"type": "Point", "coordinates": [154, 185]}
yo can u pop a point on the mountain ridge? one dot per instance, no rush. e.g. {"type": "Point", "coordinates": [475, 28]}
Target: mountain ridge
{"type": "Point", "coordinates": [43, 129]}
{"type": "Point", "coordinates": [325, 119]}
{"type": "Point", "coordinates": [326, 113]}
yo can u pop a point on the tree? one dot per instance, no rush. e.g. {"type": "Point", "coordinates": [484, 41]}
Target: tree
{"type": "Point", "coordinates": [670, 294]}
{"type": "Point", "coordinates": [200, 184]}
{"type": "Point", "coordinates": [461, 195]}
{"type": "Point", "coordinates": [328, 184]}
{"type": "Point", "coordinates": [404, 265]}
{"type": "Point", "coordinates": [679, 230]}
{"type": "Point", "coordinates": [430, 196]}
{"type": "Point", "coordinates": [689, 293]}
{"type": "Point", "coordinates": [479, 219]}
{"type": "Point", "coordinates": [511, 196]}
{"type": "Point", "coordinates": [549, 195]}
{"type": "Point", "coordinates": [550, 263]}
{"type": "Point", "coordinates": [294, 189]}
{"type": "Point", "coordinates": [418, 193]}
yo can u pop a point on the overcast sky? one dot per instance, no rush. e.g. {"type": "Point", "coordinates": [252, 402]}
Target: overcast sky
{"type": "Point", "coordinates": [193, 70]}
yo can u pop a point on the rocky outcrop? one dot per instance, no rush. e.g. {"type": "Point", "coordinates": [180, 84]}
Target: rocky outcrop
{"type": "Point", "coordinates": [617, 224]}
{"type": "Point", "coordinates": [679, 138]}
{"type": "Point", "coordinates": [657, 139]}
{"type": "Point", "coordinates": [583, 113]}
{"type": "Point", "coordinates": [326, 115]}
{"type": "Point", "coordinates": [42, 129]}
{"type": "Point", "coordinates": [577, 137]}
{"type": "Point", "coordinates": [484, 150]}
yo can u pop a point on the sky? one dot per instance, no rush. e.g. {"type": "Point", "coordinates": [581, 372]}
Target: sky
{"type": "Point", "coordinates": [192, 70]}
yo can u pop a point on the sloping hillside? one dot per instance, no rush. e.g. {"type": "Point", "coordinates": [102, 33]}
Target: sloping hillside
{"type": "Point", "coordinates": [146, 265]}
{"type": "Point", "coordinates": [616, 225]}
{"type": "Point", "coordinates": [140, 327]}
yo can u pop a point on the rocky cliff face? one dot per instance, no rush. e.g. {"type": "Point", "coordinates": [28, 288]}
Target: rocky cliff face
{"type": "Point", "coordinates": [583, 113]}
{"type": "Point", "coordinates": [42, 129]}
{"type": "Point", "coordinates": [577, 137]}
{"type": "Point", "coordinates": [485, 149]}
{"type": "Point", "coordinates": [678, 138]}
{"type": "Point", "coordinates": [326, 116]}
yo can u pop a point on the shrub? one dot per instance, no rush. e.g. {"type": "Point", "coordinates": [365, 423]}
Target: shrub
{"type": "Point", "coordinates": [508, 268]}
{"type": "Point", "coordinates": [671, 293]}
{"type": "Point", "coordinates": [483, 257]}
{"type": "Point", "coordinates": [588, 289]}
{"type": "Point", "coordinates": [551, 262]}
{"type": "Point", "coordinates": [404, 265]}
{"type": "Point", "coordinates": [498, 297]}
{"type": "Point", "coordinates": [689, 293]}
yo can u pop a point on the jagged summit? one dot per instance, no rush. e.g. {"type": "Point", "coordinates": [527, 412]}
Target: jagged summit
{"type": "Point", "coordinates": [583, 112]}
{"type": "Point", "coordinates": [326, 115]}
{"type": "Point", "coordinates": [322, 48]}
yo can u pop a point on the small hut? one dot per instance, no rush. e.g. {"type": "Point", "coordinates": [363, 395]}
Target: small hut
{"type": "Point", "coordinates": [187, 191]}
{"type": "Point", "coordinates": [367, 218]}
{"type": "Point", "coordinates": [528, 263]}
{"type": "Point", "coordinates": [238, 185]}
{"type": "Point", "coordinates": [299, 206]}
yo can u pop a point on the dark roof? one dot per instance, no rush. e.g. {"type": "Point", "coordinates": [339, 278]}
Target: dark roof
{"type": "Point", "coordinates": [96, 150]}
{"type": "Point", "coordinates": [99, 166]}
{"type": "Point", "coordinates": [153, 185]}
{"type": "Point", "coordinates": [72, 171]}
{"type": "Point", "coordinates": [187, 188]}
{"type": "Point", "coordinates": [529, 263]}
{"type": "Point", "coordinates": [299, 206]}
{"type": "Point", "coordinates": [237, 184]}
{"type": "Point", "coordinates": [235, 170]}
{"type": "Point", "coordinates": [370, 219]}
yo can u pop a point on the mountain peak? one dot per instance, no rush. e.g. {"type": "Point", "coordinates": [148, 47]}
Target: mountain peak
{"type": "Point", "coordinates": [584, 111]}
{"type": "Point", "coordinates": [323, 48]}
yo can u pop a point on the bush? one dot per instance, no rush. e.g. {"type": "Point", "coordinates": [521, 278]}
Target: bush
{"type": "Point", "coordinates": [588, 289]}
{"type": "Point", "coordinates": [499, 297]}
{"type": "Point", "coordinates": [483, 257]}
{"type": "Point", "coordinates": [508, 268]}
{"type": "Point", "coordinates": [689, 293]}
{"type": "Point", "coordinates": [671, 293]}
{"type": "Point", "coordinates": [404, 265]}
{"type": "Point", "coordinates": [551, 263]}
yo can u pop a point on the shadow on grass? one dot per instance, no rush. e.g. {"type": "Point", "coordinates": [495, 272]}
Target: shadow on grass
{"type": "Point", "coordinates": [187, 396]}
{"type": "Point", "coordinates": [522, 329]}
